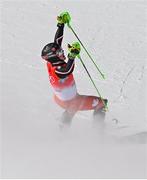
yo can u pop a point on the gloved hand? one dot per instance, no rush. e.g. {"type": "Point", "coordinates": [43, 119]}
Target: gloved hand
{"type": "Point", "coordinates": [64, 18]}
{"type": "Point", "coordinates": [74, 50]}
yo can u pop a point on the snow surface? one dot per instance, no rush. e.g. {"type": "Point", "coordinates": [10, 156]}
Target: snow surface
{"type": "Point", "coordinates": [31, 144]}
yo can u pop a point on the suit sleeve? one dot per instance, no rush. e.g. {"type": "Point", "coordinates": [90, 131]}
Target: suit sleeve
{"type": "Point", "coordinates": [64, 71]}
{"type": "Point", "coordinates": [59, 34]}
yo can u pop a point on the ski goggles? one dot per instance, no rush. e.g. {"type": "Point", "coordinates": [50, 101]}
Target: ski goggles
{"type": "Point", "coordinates": [59, 52]}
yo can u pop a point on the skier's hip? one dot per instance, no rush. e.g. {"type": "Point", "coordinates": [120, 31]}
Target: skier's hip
{"type": "Point", "coordinates": [80, 103]}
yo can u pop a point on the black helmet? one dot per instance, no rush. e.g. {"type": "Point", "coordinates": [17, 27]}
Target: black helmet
{"type": "Point", "coordinates": [49, 51]}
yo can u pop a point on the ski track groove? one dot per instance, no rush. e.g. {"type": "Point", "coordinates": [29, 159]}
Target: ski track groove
{"type": "Point", "coordinates": [125, 81]}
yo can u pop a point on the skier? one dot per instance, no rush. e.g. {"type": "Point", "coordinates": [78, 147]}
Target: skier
{"type": "Point", "coordinates": [62, 80]}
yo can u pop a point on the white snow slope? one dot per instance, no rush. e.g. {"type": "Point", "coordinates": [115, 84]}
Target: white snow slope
{"type": "Point", "coordinates": [31, 145]}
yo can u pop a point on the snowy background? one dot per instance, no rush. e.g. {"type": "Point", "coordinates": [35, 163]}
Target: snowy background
{"type": "Point", "coordinates": [31, 144]}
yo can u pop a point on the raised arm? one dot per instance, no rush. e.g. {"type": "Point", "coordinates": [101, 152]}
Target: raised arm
{"type": "Point", "coordinates": [62, 19]}
{"type": "Point", "coordinates": [59, 34]}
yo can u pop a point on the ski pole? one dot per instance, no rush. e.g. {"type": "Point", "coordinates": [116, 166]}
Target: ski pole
{"type": "Point", "coordinates": [105, 105]}
{"type": "Point", "coordinates": [86, 51]}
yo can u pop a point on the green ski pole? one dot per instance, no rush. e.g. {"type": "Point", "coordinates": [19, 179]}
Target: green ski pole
{"type": "Point", "coordinates": [86, 51]}
{"type": "Point", "coordinates": [105, 105]}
